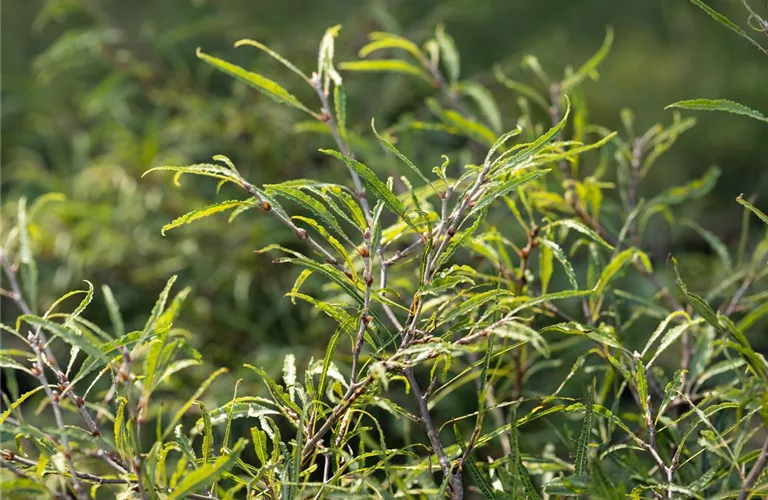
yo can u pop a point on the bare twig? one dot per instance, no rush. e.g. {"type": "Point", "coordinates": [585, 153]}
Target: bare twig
{"type": "Point", "coordinates": [18, 296]}
{"type": "Point", "coordinates": [734, 301]}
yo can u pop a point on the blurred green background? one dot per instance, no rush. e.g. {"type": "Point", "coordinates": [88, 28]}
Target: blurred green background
{"type": "Point", "coordinates": [94, 93]}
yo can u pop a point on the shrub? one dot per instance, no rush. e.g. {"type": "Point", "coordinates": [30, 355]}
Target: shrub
{"type": "Point", "coordinates": [474, 280]}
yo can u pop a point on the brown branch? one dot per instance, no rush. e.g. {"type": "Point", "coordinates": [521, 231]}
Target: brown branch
{"type": "Point", "coordinates": [457, 489]}
{"type": "Point", "coordinates": [754, 474]}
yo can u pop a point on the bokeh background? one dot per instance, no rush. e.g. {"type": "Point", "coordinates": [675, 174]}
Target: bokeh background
{"type": "Point", "coordinates": [95, 92]}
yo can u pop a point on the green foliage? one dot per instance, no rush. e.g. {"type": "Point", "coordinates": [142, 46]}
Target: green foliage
{"type": "Point", "coordinates": [719, 105]}
{"type": "Point", "coordinates": [412, 327]}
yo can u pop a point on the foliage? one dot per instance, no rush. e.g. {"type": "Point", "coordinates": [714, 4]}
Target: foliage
{"type": "Point", "coordinates": [755, 22]}
{"type": "Point", "coordinates": [441, 287]}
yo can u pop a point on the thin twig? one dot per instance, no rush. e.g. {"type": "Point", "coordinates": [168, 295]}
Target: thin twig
{"type": "Point", "coordinates": [457, 488]}
{"type": "Point", "coordinates": [66, 387]}
{"type": "Point", "coordinates": [754, 474]}
{"type": "Point", "coordinates": [7, 456]}
{"type": "Point", "coordinates": [39, 371]}
{"type": "Point", "coordinates": [18, 296]}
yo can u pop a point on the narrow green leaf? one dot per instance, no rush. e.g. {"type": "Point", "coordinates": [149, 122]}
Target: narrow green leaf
{"type": "Point", "coordinates": [207, 446]}
{"type": "Point", "coordinates": [201, 213]}
{"type": "Point", "coordinates": [485, 101]}
{"type": "Point", "coordinates": [581, 228]}
{"type": "Point", "coordinates": [199, 392]}
{"type": "Point", "coordinates": [545, 267]}
{"type": "Point", "coordinates": [760, 214]}
{"type": "Point", "coordinates": [473, 302]}
{"type": "Point", "coordinates": [449, 53]}
{"type": "Point", "coordinates": [506, 187]}
{"type": "Point", "coordinates": [114, 311]}
{"type": "Point", "coordinates": [693, 190]}
{"type": "Point", "coordinates": [308, 202]}
{"type": "Point", "coordinates": [15, 404]}
{"type": "Point", "coordinates": [717, 245]}
{"type": "Point", "coordinates": [331, 350]}
{"type": "Point", "coordinates": [260, 83]}
{"type": "Point", "coordinates": [520, 88]}
{"type": "Point", "coordinates": [616, 264]}
{"type": "Point", "coordinates": [558, 253]}
{"type": "Point", "coordinates": [403, 158]}
{"type": "Point", "coordinates": [205, 475]}
{"type": "Point", "coordinates": [340, 108]}
{"type": "Point", "coordinates": [386, 66]}
{"type": "Point", "coordinates": [157, 309]}
{"type": "Point", "coordinates": [203, 169]}
{"type": "Point", "coordinates": [381, 191]}
{"type": "Point", "coordinates": [726, 22]}
{"type": "Point", "coordinates": [582, 452]}
{"type": "Point", "coordinates": [230, 415]}
{"type": "Point", "coordinates": [259, 438]}
{"type": "Point", "coordinates": [72, 336]}
{"type": "Point", "coordinates": [589, 67]}
{"type": "Point", "coordinates": [285, 62]}
{"type": "Point", "coordinates": [670, 392]}
{"type": "Point", "coordinates": [381, 40]}
{"type": "Point", "coordinates": [118, 427]}
{"type": "Point", "coordinates": [719, 105]}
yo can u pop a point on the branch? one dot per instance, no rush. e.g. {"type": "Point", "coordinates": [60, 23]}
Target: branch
{"type": "Point", "coordinates": [7, 456]}
{"type": "Point", "coordinates": [65, 386]}
{"type": "Point", "coordinates": [39, 371]}
{"type": "Point", "coordinates": [434, 438]}
{"type": "Point", "coordinates": [754, 474]}
{"type": "Point", "coordinates": [18, 296]}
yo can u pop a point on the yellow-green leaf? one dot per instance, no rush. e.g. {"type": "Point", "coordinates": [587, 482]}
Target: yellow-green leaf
{"type": "Point", "coordinates": [260, 83]}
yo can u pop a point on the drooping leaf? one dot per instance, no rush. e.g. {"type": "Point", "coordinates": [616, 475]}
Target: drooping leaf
{"type": "Point", "coordinates": [558, 253]}
{"type": "Point", "coordinates": [381, 40]}
{"type": "Point", "coordinates": [583, 229]}
{"type": "Point", "coordinates": [485, 101]}
{"type": "Point", "coordinates": [201, 213]}
{"type": "Point", "coordinates": [285, 62]}
{"type": "Point", "coordinates": [195, 397]}
{"type": "Point", "coordinates": [387, 144]}
{"type": "Point", "coordinates": [506, 187]}
{"type": "Point", "coordinates": [726, 22]}
{"type": "Point", "coordinates": [15, 404]}
{"type": "Point", "coordinates": [260, 83]}
{"type": "Point", "coordinates": [205, 475]}
{"type": "Point", "coordinates": [589, 67]}
{"type": "Point", "coordinates": [381, 191]}
{"type": "Point", "coordinates": [72, 336]}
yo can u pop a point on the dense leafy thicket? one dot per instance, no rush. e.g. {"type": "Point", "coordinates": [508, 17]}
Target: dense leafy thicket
{"type": "Point", "coordinates": [460, 288]}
